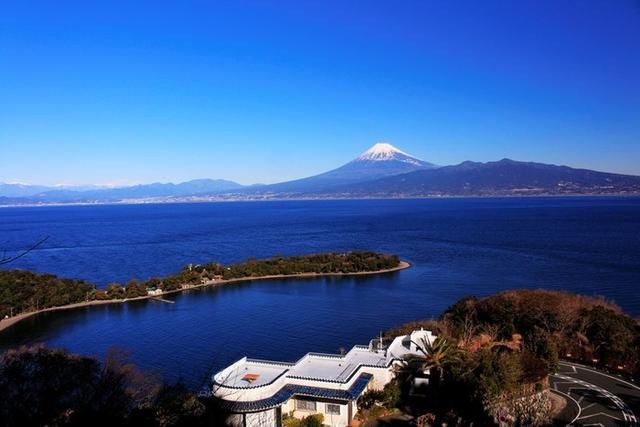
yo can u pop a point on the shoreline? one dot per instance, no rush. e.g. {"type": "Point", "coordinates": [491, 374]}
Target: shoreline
{"type": "Point", "coordinates": [133, 202]}
{"type": "Point", "coordinates": [6, 323]}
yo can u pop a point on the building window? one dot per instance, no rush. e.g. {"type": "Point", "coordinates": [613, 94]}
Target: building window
{"type": "Point", "coordinates": [333, 409]}
{"type": "Point", "coordinates": [305, 405]}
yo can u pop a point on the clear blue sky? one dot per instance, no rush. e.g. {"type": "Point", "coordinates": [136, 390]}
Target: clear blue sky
{"type": "Point", "coordinates": [111, 92]}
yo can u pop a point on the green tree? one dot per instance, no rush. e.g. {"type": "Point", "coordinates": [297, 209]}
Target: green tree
{"type": "Point", "coordinates": [116, 291]}
{"type": "Point", "coordinates": [612, 336]}
{"type": "Point", "coordinates": [433, 357]}
{"type": "Point", "coordinates": [47, 387]}
{"type": "Point", "coordinates": [134, 289]}
{"type": "Point", "coordinates": [542, 345]}
{"type": "Point", "coordinates": [498, 372]}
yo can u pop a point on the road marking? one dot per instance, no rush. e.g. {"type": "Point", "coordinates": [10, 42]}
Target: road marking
{"type": "Point", "coordinates": [574, 401]}
{"type": "Point", "coordinates": [629, 417]}
{"type": "Point", "coordinates": [555, 383]}
{"type": "Point", "coordinates": [600, 413]}
{"type": "Point", "coordinates": [586, 368]}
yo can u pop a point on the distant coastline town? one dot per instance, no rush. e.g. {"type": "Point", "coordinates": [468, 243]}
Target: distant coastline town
{"type": "Point", "coordinates": [381, 172]}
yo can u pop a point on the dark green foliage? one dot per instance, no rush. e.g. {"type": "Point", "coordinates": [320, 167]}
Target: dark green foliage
{"type": "Point", "coordinates": [536, 368]}
{"type": "Point", "coordinates": [174, 406]}
{"type": "Point", "coordinates": [40, 386]}
{"type": "Point", "coordinates": [26, 291]}
{"type": "Point", "coordinates": [134, 289]}
{"type": "Point", "coordinates": [23, 291]}
{"type": "Point", "coordinates": [542, 345]}
{"type": "Point", "coordinates": [170, 283]}
{"type": "Point", "coordinates": [462, 311]}
{"type": "Point", "coordinates": [153, 283]}
{"type": "Point", "coordinates": [350, 262]}
{"type": "Point", "coordinates": [370, 398]}
{"type": "Point", "coordinates": [613, 336]}
{"type": "Point", "coordinates": [314, 420]}
{"type": "Point", "coordinates": [497, 372]}
{"type": "Point", "coordinates": [116, 291]}
{"type": "Point", "coordinates": [511, 341]}
{"type": "Point", "coordinates": [211, 269]}
{"type": "Point", "coordinates": [392, 394]}
{"type": "Point", "coordinates": [553, 324]}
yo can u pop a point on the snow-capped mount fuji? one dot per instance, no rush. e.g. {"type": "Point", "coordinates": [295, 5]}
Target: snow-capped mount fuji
{"type": "Point", "coordinates": [380, 161]}
{"type": "Point", "coordinates": [383, 151]}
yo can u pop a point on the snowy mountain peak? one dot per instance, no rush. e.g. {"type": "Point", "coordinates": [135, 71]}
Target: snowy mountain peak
{"type": "Point", "coordinates": [383, 151]}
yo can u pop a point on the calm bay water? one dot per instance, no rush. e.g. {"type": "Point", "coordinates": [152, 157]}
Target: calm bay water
{"type": "Point", "coordinates": [457, 247]}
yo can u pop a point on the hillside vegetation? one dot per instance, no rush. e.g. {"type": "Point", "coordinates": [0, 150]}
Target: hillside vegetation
{"type": "Point", "coordinates": [493, 352]}
{"type": "Point", "coordinates": [23, 291]}
{"type": "Point", "coordinates": [47, 387]}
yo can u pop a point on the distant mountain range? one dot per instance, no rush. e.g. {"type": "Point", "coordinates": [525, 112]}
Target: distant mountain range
{"type": "Point", "coordinates": [382, 171]}
{"type": "Point", "coordinates": [502, 178]}
{"type": "Point", "coordinates": [22, 194]}
{"type": "Point", "coordinates": [25, 190]}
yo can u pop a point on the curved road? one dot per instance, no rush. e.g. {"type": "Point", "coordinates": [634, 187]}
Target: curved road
{"type": "Point", "coordinates": [595, 398]}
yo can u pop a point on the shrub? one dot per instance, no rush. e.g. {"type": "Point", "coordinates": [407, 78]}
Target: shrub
{"type": "Point", "coordinates": [314, 420]}
{"type": "Point", "coordinates": [41, 386]}
{"type": "Point", "coordinates": [392, 394]}
{"type": "Point", "coordinates": [370, 398]}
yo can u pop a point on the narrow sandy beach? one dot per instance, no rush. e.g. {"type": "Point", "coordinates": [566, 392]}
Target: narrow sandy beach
{"type": "Point", "coordinates": [6, 323]}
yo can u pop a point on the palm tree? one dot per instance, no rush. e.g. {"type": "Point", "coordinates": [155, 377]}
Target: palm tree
{"type": "Point", "coordinates": [433, 357]}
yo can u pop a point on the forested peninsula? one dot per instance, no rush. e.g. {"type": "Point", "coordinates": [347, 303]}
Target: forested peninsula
{"type": "Point", "coordinates": [23, 293]}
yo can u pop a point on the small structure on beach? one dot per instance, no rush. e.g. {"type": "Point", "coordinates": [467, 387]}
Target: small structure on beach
{"type": "Point", "coordinates": [259, 392]}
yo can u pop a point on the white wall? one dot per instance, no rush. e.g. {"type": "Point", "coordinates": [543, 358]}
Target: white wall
{"type": "Point", "coordinates": [262, 419]}
{"type": "Point", "coordinates": [321, 408]}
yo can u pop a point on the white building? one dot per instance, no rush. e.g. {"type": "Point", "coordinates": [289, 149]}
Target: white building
{"type": "Point", "coordinates": [259, 392]}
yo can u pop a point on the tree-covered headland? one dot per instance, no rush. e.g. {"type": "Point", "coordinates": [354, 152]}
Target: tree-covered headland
{"type": "Point", "coordinates": [23, 291]}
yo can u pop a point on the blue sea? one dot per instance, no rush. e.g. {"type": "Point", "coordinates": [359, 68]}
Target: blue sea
{"type": "Point", "coordinates": [457, 247]}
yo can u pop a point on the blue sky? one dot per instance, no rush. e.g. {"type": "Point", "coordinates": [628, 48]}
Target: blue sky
{"type": "Point", "coordinates": [117, 92]}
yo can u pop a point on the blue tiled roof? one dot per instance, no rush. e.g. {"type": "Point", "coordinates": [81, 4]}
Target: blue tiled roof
{"type": "Point", "coordinates": [291, 390]}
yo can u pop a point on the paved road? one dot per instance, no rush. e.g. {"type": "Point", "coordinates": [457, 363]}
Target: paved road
{"type": "Point", "coordinates": [595, 398]}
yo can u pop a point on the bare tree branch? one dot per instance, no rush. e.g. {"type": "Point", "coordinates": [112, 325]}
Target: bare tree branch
{"type": "Point", "coordinates": [6, 260]}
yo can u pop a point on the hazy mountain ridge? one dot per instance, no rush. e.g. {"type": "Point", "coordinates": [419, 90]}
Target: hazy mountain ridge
{"type": "Point", "coordinates": [193, 187]}
{"type": "Point", "coordinates": [382, 171]}
{"type": "Point", "coordinates": [26, 190]}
